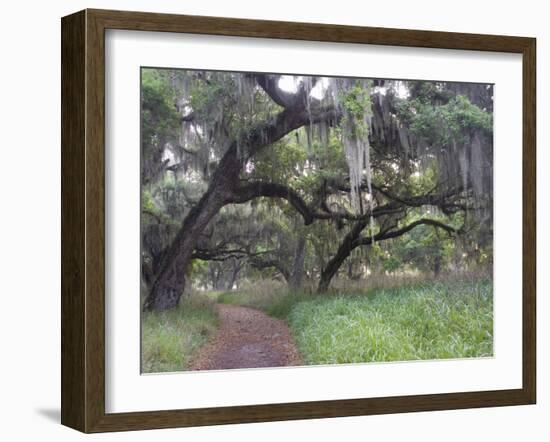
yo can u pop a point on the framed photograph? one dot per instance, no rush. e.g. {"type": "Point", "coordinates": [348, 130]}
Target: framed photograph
{"type": "Point", "coordinates": [268, 221]}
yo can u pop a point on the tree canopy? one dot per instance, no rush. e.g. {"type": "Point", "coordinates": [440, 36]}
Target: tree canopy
{"type": "Point", "coordinates": [248, 176]}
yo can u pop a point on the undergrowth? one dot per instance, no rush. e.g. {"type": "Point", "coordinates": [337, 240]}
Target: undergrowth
{"type": "Point", "coordinates": [169, 339]}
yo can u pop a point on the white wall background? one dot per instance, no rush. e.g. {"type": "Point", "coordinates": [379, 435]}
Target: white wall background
{"type": "Point", "coordinates": [30, 217]}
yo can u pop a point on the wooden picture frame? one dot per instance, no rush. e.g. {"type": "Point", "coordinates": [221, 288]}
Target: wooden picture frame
{"type": "Point", "coordinates": [83, 220]}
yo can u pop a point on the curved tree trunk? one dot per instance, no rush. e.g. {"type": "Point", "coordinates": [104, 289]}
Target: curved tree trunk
{"type": "Point", "coordinates": [348, 244]}
{"type": "Point", "coordinates": [353, 239]}
{"type": "Point", "coordinates": [170, 282]}
{"type": "Point", "coordinates": [332, 268]}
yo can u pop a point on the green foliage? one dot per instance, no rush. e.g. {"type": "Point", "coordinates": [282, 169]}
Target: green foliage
{"type": "Point", "coordinates": [279, 305]}
{"type": "Point", "coordinates": [282, 163]}
{"type": "Point", "coordinates": [431, 321]}
{"type": "Point", "coordinates": [358, 105]}
{"type": "Point", "coordinates": [274, 300]}
{"type": "Point", "coordinates": [422, 182]}
{"type": "Point", "coordinates": [147, 202]}
{"type": "Point", "coordinates": [205, 97]}
{"type": "Point", "coordinates": [424, 248]}
{"type": "Point", "coordinates": [447, 123]}
{"type": "Point", "coordinates": [391, 263]}
{"type": "Point", "coordinates": [208, 98]}
{"type": "Point", "coordinates": [159, 116]}
{"type": "Point", "coordinates": [170, 339]}
{"type": "Point", "coordinates": [226, 104]}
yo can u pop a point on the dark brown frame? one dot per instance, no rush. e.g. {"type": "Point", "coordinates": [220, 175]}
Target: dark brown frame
{"type": "Point", "coordinates": [83, 216]}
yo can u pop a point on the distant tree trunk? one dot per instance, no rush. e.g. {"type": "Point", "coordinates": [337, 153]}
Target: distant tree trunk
{"type": "Point", "coordinates": [234, 274]}
{"type": "Point", "coordinates": [350, 270]}
{"type": "Point", "coordinates": [212, 275]}
{"type": "Point", "coordinates": [220, 277]}
{"type": "Point", "coordinates": [297, 275]}
{"type": "Point", "coordinates": [437, 266]}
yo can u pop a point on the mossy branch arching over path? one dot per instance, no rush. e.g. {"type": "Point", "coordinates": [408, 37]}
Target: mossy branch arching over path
{"type": "Point", "coordinates": [168, 286]}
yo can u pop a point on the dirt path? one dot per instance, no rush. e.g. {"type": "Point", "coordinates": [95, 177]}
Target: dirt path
{"type": "Point", "coordinates": [247, 338]}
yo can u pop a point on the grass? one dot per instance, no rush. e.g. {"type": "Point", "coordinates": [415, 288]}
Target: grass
{"type": "Point", "coordinates": [169, 339]}
{"type": "Point", "coordinates": [436, 320]}
{"type": "Point", "coordinates": [418, 321]}
{"type": "Point", "coordinates": [431, 321]}
{"type": "Point", "coordinates": [259, 294]}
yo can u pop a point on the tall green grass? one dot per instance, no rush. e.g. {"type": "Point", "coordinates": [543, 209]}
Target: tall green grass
{"type": "Point", "coordinates": [429, 321]}
{"type": "Point", "coordinates": [169, 339]}
{"type": "Point", "coordinates": [278, 304]}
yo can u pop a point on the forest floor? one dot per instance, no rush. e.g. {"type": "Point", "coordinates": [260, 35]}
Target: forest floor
{"type": "Point", "coordinates": [247, 338]}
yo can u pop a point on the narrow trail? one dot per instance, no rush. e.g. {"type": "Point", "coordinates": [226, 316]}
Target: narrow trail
{"type": "Point", "coordinates": [247, 338]}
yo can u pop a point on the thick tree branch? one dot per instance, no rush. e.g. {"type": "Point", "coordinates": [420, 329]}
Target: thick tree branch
{"type": "Point", "coordinates": [223, 254]}
{"type": "Point", "coordinates": [399, 232]}
{"type": "Point", "coordinates": [429, 197]}
{"type": "Point", "coordinates": [270, 263]}
{"type": "Point", "coordinates": [284, 122]}
{"type": "Point", "coordinates": [250, 191]}
{"type": "Point", "coordinates": [270, 85]}
{"type": "Point", "coordinates": [188, 118]}
{"type": "Point", "coordinates": [272, 190]}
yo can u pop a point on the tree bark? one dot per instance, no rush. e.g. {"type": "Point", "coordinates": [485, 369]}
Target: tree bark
{"type": "Point", "coordinates": [295, 282]}
{"type": "Point", "coordinates": [170, 282]}
{"type": "Point", "coordinates": [343, 252]}
{"type": "Point", "coordinates": [237, 265]}
{"type": "Point", "coordinates": [271, 263]}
